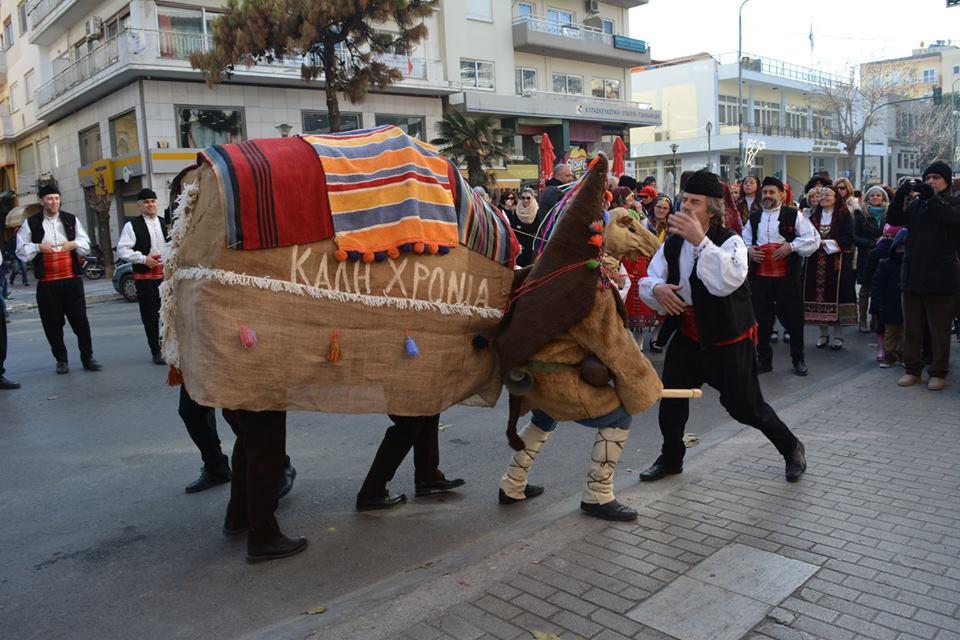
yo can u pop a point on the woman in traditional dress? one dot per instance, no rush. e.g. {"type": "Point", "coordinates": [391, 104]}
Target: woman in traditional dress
{"type": "Point", "coordinates": [640, 317]}
{"type": "Point", "coordinates": [829, 295]}
{"type": "Point", "coordinates": [657, 224]}
{"type": "Point", "coordinates": [749, 197]}
{"type": "Point", "coordinates": [731, 215]}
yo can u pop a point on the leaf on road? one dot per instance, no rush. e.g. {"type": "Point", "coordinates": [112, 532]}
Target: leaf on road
{"type": "Point", "coordinates": [331, 529]}
{"type": "Point", "coordinates": [444, 427]}
{"type": "Point", "coordinates": [463, 583]}
{"type": "Point", "coordinates": [314, 612]}
{"type": "Point", "coordinates": [690, 440]}
{"type": "Point", "coordinates": [539, 635]}
{"type": "Point", "coordinates": [422, 565]}
{"type": "Point", "coordinates": [52, 397]}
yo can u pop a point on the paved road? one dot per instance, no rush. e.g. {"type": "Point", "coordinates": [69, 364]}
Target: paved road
{"type": "Point", "coordinates": [98, 539]}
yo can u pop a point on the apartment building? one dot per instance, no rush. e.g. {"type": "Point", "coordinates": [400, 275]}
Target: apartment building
{"type": "Point", "coordinates": [698, 99]}
{"type": "Point", "coordinates": [917, 76]}
{"type": "Point", "coordinates": [559, 68]}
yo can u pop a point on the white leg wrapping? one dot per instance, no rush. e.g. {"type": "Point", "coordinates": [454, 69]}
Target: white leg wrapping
{"type": "Point", "coordinates": [514, 481]}
{"type": "Point", "coordinates": [607, 449]}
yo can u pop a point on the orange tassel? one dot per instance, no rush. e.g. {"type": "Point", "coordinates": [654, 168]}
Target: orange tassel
{"type": "Point", "coordinates": [418, 247]}
{"type": "Point", "coordinates": [340, 255]}
{"type": "Point", "coordinates": [333, 354]}
{"type": "Point", "coordinates": [367, 257]}
{"type": "Point", "coordinates": [433, 248]}
{"type": "Point", "coordinates": [596, 240]}
{"type": "Point", "coordinates": [174, 377]}
{"type": "Point", "coordinates": [393, 253]}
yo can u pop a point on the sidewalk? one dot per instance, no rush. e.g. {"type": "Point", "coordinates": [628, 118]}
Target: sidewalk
{"type": "Point", "coordinates": [866, 545]}
{"type": "Point", "coordinates": [25, 298]}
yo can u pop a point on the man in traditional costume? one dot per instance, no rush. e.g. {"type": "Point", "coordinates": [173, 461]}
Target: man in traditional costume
{"type": "Point", "coordinates": [55, 241]}
{"type": "Point", "coordinates": [777, 239]}
{"type": "Point", "coordinates": [699, 278]}
{"type": "Point", "coordinates": [565, 323]}
{"type": "Point", "coordinates": [143, 242]}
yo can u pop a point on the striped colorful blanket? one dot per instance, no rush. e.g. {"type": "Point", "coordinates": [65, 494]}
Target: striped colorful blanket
{"type": "Point", "coordinates": [483, 227]}
{"type": "Point", "coordinates": [386, 190]}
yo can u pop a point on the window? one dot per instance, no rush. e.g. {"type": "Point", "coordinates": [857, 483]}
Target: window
{"type": "Point", "coordinates": [22, 17]}
{"type": "Point", "coordinates": [956, 69]}
{"type": "Point", "coordinates": [557, 16]}
{"type": "Point", "coordinates": [796, 120]}
{"type": "Point", "coordinates": [907, 160]}
{"type": "Point", "coordinates": [564, 83]}
{"type": "Point", "coordinates": [182, 31]}
{"type": "Point", "coordinates": [26, 161]}
{"type": "Point", "coordinates": [44, 161]}
{"type": "Point", "coordinates": [726, 167]}
{"type": "Point", "coordinates": [28, 87]}
{"type": "Point", "coordinates": [15, 101]}
{"type": "Point", "coordinates": [411, 126]}
{"type": "Point", "coordinates": [525, 80]}
{"type": "Point", "coordinates": [91, 147]}
{"type": "Point", "coordinates": [476, 73]}
{"type": "Point", "coordinates": [929, 75]}
{"type": "Point", "coordinates": [123, 134]}
{"type": "Point", "coordinates": [479, 10]}
{"type": "Point", "coordinates": [117, 23]}
{"type": "Point", "coordinates": [766, 114]}
{"type": "Point", "coordinates": [319, 122]}
{"type": "Point", "coordinates": [606, 26]}
{"type": "Point", "coordinates": [200, 127]}
{"type": "Point", "coordinates": [728, 109]}
{"type": "Point", "coordinates": [525, 10]}
{"type": "Point", "coordinates": [605, 88]}
{"type": "Point", "coordinates": [7, 33]}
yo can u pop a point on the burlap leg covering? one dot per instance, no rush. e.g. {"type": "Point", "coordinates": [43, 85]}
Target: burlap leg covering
{"type": "Point", "coordinates": [514, 481]}
{"type": "Point", "coordinates": [607, 449]}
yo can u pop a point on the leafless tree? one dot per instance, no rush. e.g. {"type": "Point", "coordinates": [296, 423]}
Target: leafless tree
{"type": "Point", "coordinates": [99, 202]}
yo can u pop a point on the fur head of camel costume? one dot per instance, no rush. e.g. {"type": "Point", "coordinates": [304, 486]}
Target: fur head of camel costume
{"type": "Point", "coordinates": [563, 345]}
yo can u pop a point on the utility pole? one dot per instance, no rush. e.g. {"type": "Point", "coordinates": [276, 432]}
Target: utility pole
{"type": "Point", "coordinates": [709, 147]}
{"type": "Point", "coordinates": [740, 90]}
{"type": "Point", "coordinates": [673, 167]}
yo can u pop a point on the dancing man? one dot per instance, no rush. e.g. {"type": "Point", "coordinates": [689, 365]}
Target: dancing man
{"type": "Point", "coordinates": [699, 279]}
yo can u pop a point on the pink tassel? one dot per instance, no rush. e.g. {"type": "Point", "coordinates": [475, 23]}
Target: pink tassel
{"type": "Point", "coordinates": [248, 337]}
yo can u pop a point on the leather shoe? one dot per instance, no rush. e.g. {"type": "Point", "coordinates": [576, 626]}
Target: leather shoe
{"type": "Point", "coordinates": [62, 367]}
{"type": "Point", "coordinates": [289, 475]}
{"type": "Point", "coordinates": [764, 367]}
{"type": "Point", "coordinates": [208, 479]}
{"type": "Point", "coordinates": [612, 510]}
{"type": "Point", "coordinates": [8, 384]}
{"type": "Point", "coordinates": [281, 547]}
{"type": "Point", "coordinates": [92, 365]}
{"type": "Point", "coordinates": [908, 380]}
{"type": "Point", "coordinates": [438, 486]}
{"type": "Point", "coordinates": [233, 529]}
{"type": "Point", "coordinates": [659, 469]}
{"type": "Point", "coordinates": [529, 491]}
{"type": "Point", "coordinates": [158, 359]}
{"type": "Point", "coordinates": [796, 463]}
{"type": "Point", "coordinates": [380, 502]}
{"type": "Point", "coordinates": [800, 367]}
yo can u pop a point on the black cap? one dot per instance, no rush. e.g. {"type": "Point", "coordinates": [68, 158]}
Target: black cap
{"type": "Point", "coordinates": [940, 168]}
{"type": "Point", "coordinates": [48, 190]}
{"type": "Point", "coordinates": [771, 181]}
{"type": "Point", "coordinates": [146, 194]}
{"type": "Point", "coordinates": [627, 181]}
{"type": "Point", "coordinates": [704, 183]}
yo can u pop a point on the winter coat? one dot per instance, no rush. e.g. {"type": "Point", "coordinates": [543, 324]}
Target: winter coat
{"type": "Point", "coordinates": [865, 234]}
{"type": "Point", "coordinates": [885, 298]}
{"type": "Point", "coordinates": [930, 262]}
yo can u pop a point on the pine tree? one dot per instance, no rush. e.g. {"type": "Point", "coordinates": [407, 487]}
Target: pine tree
{"type": "Point", "coordinates": [474, 142]}
{"type": "Point", "coordinates": [339, 41]}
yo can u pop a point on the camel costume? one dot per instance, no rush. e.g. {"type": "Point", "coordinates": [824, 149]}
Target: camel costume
{"type": "Point", "coordinates": [566, 324]}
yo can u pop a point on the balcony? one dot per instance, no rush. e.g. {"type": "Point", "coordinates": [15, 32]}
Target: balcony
{"type": "Point", "coordinates": [755, 68]}
{"type": "Point", "coordinates": [784, 132]}
{"type": "Point", "coordinates": [626, 4]}
{"type": "Point", "coordinates": [535, 34]}
{"type": "Point", "coordinates": [165, 55]}
{"type": "Point", "coordinates": [49, 19]}
{"type": "Point", "coordinates": [543, 104]}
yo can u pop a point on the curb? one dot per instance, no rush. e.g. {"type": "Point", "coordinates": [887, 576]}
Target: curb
{"type": "Point", "coordinates": [19, 307]}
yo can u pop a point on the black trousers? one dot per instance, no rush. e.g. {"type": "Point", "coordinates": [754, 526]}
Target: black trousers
{"type": "Point", "coordinates": [780, 298]}
{"type": "Point", "coordinates": [419, 432]}
{"type": "Point", "coordinates": [258, 457]}
{"type": "Point", "coordinates": [3, 338]}
{"type": "Point", "coordinates": [59, 300]}
{"type": "Point", "coordinates": [148, 298]}
{"type": "Point", "coordinates": [731, 370]}
{"type": "Point", "coordinates": [201, 423]}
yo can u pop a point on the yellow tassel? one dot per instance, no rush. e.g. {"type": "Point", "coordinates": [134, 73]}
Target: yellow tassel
{"type": "Point", "coordinates": [333, 354]}
{"type": "Point", "coordinates": [174, 377]}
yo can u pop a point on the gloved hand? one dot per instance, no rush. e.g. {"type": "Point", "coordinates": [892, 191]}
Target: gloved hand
{"type": "Point", "coordinates": [924, 190]}
{"type": "Point", "coordinates": [902, 191]}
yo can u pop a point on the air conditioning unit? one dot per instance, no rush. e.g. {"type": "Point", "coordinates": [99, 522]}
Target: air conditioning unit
{"type": "Point", "coordinates": [592, 6]}
{"type": "Point", "coordinates": [661, 136]}
{"type": "Point", "coordinates": [93, 27]}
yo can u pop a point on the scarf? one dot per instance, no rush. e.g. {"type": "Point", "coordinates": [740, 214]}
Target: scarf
{"type": "Point", "coordinates": [877, 213]}
{"type": "Point", "coordinates": [527, 213]}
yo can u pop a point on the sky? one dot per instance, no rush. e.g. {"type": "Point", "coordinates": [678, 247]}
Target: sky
{"type": "Point", "coordinates": [845, 32]}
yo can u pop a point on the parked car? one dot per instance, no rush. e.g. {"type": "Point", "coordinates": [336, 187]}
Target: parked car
{"type": "Point", "coordinates": [123, 281]}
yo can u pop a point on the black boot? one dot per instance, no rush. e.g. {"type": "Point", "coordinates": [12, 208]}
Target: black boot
{"type": "Point", "coordinates": [530, 491]}
{"type": "Point", "coordinates": [610, 511]}
{"type": "Point", "coordinates": [799, 367]}
{"type": "Point", "coordinates": [217, 472]}
{"type": "Point", "coordinates": [281, 547]}
{"type": "Point", "coordinates": [796, 463]}
{"type": "Point", "coordinates": [373, 503]}
{"type": "Point", "coordinates": [660, 469]}
{"type": "Point", "coordinates": [289, 475]}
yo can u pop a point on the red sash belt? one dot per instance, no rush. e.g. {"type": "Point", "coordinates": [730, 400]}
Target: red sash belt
{"type": "Point", "coordinates": [57, 266]}
{"type": "Point", "coordinates": [155, 273]}
{"type": "Point", "coordinates": [771, 267]}
{"type": "Point", "coordinates": [688, 327]}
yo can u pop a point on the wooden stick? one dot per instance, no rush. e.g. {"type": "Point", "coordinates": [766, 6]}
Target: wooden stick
{"type": "Point", "coordinates": [681, 393]}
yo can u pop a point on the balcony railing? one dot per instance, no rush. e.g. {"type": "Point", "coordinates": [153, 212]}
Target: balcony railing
{"type": "Point", "coordinates": [785, 132]}
{"type": "Point", "coordinates": [783, 69]}
{"type": "Point", "coordinates": [41, 9]}
{"type": "Point", "coordinates": [161, 48]}
{"type": "Point", "coordinates": [576, 31]}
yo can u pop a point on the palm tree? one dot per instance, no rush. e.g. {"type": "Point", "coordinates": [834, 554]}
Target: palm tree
{"type": "Point", "coordinates": [474, 142]}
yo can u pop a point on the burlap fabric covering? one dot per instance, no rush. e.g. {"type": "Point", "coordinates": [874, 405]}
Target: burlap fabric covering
{"type": "Point", "coordinates": [296, 298]}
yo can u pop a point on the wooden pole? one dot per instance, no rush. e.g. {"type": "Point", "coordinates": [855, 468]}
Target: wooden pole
{"type": "Point", "coordinates": [681, 393]}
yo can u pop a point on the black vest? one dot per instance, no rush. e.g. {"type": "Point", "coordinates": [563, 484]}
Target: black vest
{"type": "Point", "coordinates": [35, 224]}
{"type": "Point", "coordinates": [718, 318]}
{"type": "Point", "coordinates": [142, 239]}
{"type": "Point", "coordinates": [787, 229]}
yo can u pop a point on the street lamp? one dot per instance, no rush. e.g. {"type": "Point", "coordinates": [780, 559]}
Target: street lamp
{"type": "Point", "coordinates": [673, 166]}
{"type": "Point", "coordinates": [740, 90]}
{"type": "Point", "coordinates": [709, 148]}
